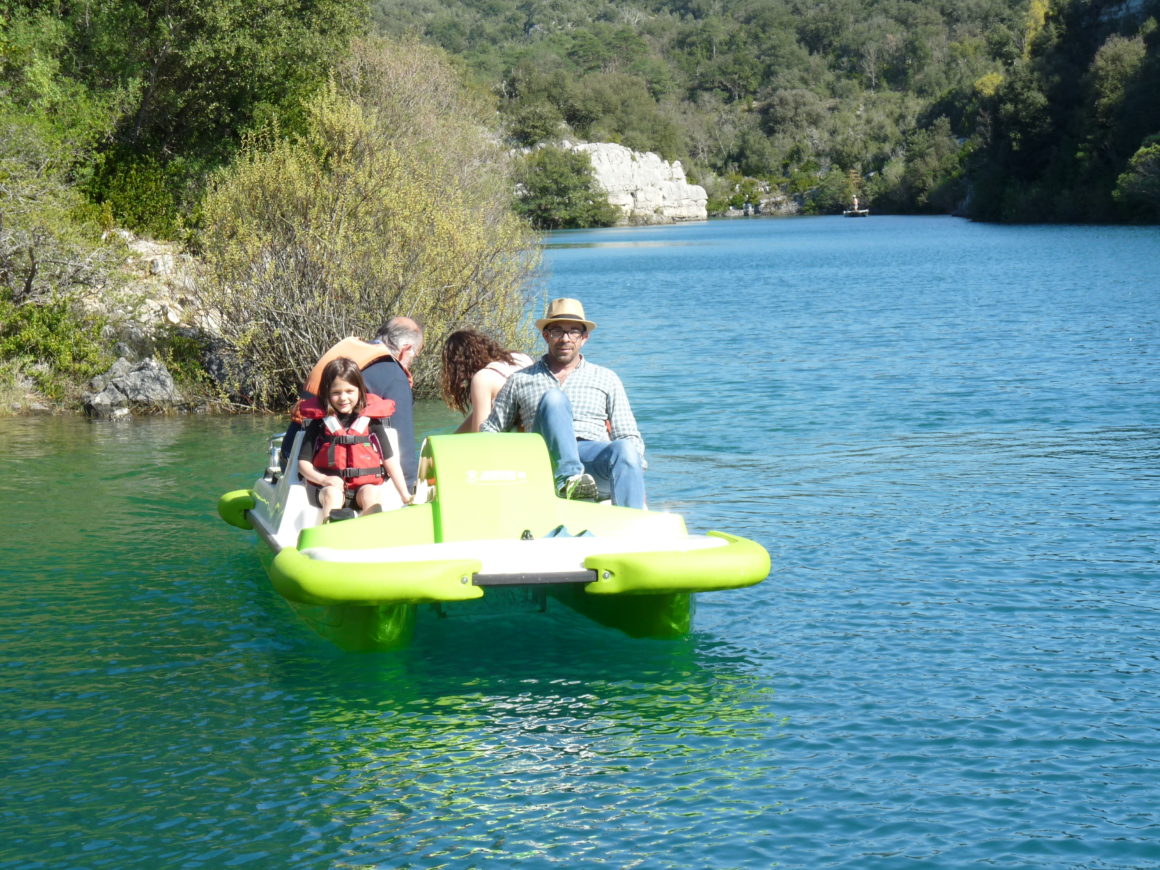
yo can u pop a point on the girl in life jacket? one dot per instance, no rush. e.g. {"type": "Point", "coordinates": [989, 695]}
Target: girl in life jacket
{"type": "Point", "coordinates": [347, 443]}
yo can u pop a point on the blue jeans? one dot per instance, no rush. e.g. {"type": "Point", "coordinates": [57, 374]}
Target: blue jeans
{"type": "Point", "coordinates": [615, 465]}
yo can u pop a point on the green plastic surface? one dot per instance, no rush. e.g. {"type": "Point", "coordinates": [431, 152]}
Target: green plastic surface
{"type": "Point", "coordinates": [311, 581]}
{"type": "Point", "coordinates": [740, 562]}
{"type": "Point", "coordinates": [232, 508]}
{"type": "Point", "coordinates": [491, 486]}
{"type": "Point", "coordinates": [494, 487]}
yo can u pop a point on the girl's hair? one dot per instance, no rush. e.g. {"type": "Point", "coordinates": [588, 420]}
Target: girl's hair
{"type": "Point", "coordinates": [347, 369]}
{"type": "Point", "coordinates": [464, 353]}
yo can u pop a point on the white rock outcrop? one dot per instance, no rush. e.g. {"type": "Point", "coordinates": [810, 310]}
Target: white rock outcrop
{"type": "Point", "coordinates": [644, 187]}
{"type": "Point", "coordinates": [159, 291]}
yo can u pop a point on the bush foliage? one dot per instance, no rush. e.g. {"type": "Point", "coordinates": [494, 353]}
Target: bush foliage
{"type": "Point", "coordinates": [557, 191]}
{"type": "Point", "coordinates": [51, 255]}
{"type": "Point", "coordinates": [1138, 188]}
{"type": "Point", "coordinates": [52, 344]}
{"type": "Point", "coordinates": [384, 204]}
{"type": "Point", "coordinates": [1008, 109]}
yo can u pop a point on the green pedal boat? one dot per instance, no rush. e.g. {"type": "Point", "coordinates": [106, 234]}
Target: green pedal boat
{"type": "Point", "coordinates": [490, 518]}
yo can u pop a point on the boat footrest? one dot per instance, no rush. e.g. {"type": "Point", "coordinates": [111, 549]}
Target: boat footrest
{"type": "Point", "coordinates": [534, 579]}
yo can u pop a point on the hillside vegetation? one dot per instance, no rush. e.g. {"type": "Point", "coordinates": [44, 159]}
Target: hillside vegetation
{"type": "Point", "coordinates": [324, 179]}
{"type": "Point", "coordinates": [330, 162]}
{"type": "Point", "coordinates": [1001, 109]}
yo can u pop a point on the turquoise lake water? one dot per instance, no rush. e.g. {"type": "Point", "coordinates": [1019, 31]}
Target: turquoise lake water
{"type": "Point", "coordinates": [946, 434]}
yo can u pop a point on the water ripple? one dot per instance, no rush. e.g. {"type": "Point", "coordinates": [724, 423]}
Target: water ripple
{"type": "Point", "coordinates": [954, 663]}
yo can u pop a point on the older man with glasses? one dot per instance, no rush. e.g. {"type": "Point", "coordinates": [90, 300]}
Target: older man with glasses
{"type": "Point", "coordinates": [386, 363]}
{"type": "Point", "coordinates": [580, 409]}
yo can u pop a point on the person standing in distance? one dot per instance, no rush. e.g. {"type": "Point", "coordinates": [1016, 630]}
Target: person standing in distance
{"type": "Point", "coordinates": [579, 408]}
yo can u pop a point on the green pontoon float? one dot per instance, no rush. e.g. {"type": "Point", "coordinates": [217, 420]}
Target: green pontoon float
{"type": "Point", "coordinates": [489, 518]}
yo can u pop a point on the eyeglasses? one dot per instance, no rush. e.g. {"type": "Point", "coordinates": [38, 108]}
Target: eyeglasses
{"type": "Point", "coordinates": [557, 333]}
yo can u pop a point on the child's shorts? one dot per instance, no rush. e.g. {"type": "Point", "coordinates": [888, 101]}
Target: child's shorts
{"type": "Point", "coordinates": [348, 495]}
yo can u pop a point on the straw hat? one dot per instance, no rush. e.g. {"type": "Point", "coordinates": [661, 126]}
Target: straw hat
{"type": "Point", "coordinates": [564, 309]}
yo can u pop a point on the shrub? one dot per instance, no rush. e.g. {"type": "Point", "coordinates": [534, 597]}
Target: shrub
{"type": "Point", "coordinates": [1138, 188]}
{"type": "Point", "coordinates": [831, 194]}
{"type": "Point", "coordinates": [184, 353]}
{"type": "Point", "coordinates": [50, 254]}
{"type": "Point", "coordinates": [51, 342]}
{"type": "Point", "coordinates": [48, 244]}
{"type": "Point", "coordinates": [392, 201]}
{"type": "Point", "coordinates": [559, 191]}
{"type": "Point", "coordinates": [138, 191]}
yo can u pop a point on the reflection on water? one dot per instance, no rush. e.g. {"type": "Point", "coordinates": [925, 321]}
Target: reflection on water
{"type": "Point", "coordinates": [945, 434]}
{"type": "Point", "coordinates": [623, 244]}
{"type": "Point", "coordinates": [529, 739]}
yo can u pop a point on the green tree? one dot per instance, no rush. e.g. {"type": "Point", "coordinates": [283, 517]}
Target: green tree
{"type": "Point", "coordinates": [50, 244]}
{"type": "Point", "coordinates": [626, 113]}
{"type": "Point", "coordinates": [193, 77]}
{"type": "Point", "coordinates": [1138, 188]}
{"type": "Point", "coordinates": [392, 200]}
{"type": "Point", "coordinates": [777, 89]}
{"type": "Point", "coordinates": [532, 122]}
{"type": "Point", "coordinates": [932, 179]}
{"type": "Point", "coordinates": [832, 193]}
{"type": "Point", "coordinates": [36, 85]}
{"type": "Point", "coordinates": [558, 191]}
{"type": "Point", "coordinates": [1115, 65]}
{"type": "Point", "coordinates": [1069, 115]}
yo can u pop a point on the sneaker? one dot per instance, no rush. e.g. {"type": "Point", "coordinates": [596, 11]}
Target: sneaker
{"type": "Point", "coordinates": [339, 514]}
{"type": "Point", "coordinates": [579, 486]}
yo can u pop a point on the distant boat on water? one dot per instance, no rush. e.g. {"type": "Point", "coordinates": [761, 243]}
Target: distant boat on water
{"type": "Point", "coordinates": [856, 211]}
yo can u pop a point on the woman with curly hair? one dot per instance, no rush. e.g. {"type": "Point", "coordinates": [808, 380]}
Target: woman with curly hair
{"type": "Point", "coordinates": [475, 367]}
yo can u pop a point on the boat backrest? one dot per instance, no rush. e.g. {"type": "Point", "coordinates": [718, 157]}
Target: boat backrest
{"type": "Point", "coordinates": [292, 505]}
{"type": "Point", "coordinates": [491, 485]}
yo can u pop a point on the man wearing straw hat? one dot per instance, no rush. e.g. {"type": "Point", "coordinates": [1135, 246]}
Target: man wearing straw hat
{"type": "Point", "coordinates": [580, 408]}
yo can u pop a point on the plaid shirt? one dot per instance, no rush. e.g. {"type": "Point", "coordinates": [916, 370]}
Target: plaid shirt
{"type": "Point", "coordinates": [596, 394]}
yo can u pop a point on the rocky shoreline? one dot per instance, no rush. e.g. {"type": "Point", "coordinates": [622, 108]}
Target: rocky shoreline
{"type": "Point", "coordinates": [133, 388]}
{"type": "Point", "coordinates": [646, 188]}
{"type": "Point", "coordinates": [159, 295]}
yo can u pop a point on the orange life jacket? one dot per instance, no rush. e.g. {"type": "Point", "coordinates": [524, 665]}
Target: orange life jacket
{"type": "Point", "coordinates": [352, 453]}
{"type": "Point", "coordinates": [362, 352]}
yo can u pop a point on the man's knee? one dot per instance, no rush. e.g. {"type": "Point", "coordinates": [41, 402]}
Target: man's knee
{"type": "Point", "coordinates": [554, 400]}
{"type": "Point", "coordinates": [625, 455]}
{"type": "Point", "coordinates": [554, 417]}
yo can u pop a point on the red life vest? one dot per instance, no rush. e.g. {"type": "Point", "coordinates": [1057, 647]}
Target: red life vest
{"type": "Point", "coordinates": [353, 453]}
{"type": "Point", "coordinates": [364, 353]}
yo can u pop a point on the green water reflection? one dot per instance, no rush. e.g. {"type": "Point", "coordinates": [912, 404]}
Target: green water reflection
{"type": "Point", "coordinates": [548, 733]}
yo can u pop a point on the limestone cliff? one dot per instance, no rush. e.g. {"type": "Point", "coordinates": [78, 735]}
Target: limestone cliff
{"type": "Point", "coordinates": [644, 187]}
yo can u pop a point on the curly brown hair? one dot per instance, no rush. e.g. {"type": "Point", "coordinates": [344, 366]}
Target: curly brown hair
{"type": "Point", "coordinates": [464, 353]}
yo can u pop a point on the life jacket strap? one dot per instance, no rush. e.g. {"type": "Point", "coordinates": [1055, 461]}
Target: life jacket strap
{"type": "Point", "coordinates": [360, 425]}
{"type": "Point", "coordinates": [350, 439]}
{"type": "Point", "coordinates": [348, 473]}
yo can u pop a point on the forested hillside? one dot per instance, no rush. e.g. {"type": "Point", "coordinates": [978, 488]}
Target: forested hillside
{"type": "Point", "coordinates": [1002, 109]}
{"type": "Point", "coordinates": [351, 158]}
{"type": "Point", "coordinates": [322, 179]}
